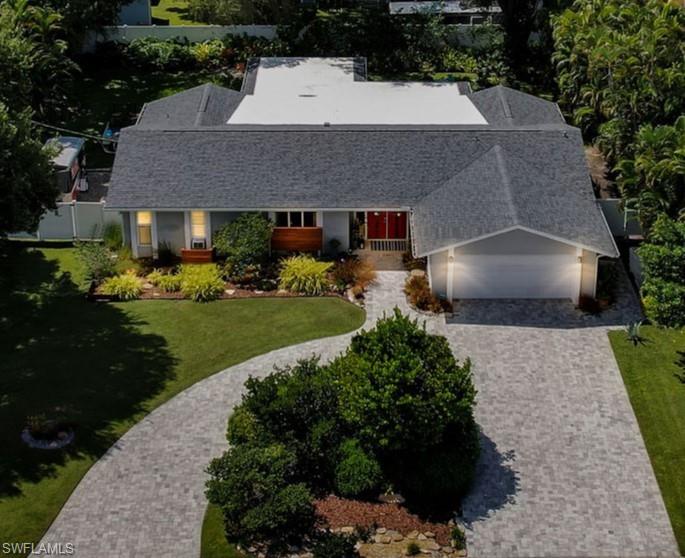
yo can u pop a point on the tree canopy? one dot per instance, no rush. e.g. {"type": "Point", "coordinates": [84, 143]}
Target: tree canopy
{"type": "Point", "coordinates": [620, 65]}
{"type": "Point", "coordinates": [27, 187]}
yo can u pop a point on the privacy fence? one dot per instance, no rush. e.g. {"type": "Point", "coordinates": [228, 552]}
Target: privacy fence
{"type": "Point", "coordinates": [73, 221]}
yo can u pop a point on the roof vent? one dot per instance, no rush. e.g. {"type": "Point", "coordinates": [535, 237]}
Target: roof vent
{"type": "Point", "coordinates": [327, 124]}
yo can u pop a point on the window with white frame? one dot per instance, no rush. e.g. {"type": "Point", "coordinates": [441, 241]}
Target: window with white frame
{"type": "Point", "coordinates": [197, 225]}
{"type": "Point", "coordinates": [144, 228]}
{"type": "Point", "coordinates": [294, 219]}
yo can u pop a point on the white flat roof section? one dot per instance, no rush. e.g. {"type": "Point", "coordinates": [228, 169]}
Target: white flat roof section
{"type": "Point", "coordinates": [67, 149]}
{"type": "Point", "coordinates": [316, 91]}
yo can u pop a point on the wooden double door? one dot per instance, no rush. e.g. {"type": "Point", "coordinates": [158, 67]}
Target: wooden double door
{"type": "Point", "coordinates": [391, 225]}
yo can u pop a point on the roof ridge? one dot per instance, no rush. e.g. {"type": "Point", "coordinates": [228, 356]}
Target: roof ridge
{"type": "Point", "coordinates": [447, 182]}
{"type": "Point", "coordinates": [504, 171]}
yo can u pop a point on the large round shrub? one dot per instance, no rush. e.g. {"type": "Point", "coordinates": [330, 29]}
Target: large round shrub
{"type": "Point", "coordinates": [400, 388]}
{"type": "Point", "coordinates": [244, 242]}
{"type": "Point", "coordinates": [296, 406]}
{"type": "Point", "coordinates": [255, 489]}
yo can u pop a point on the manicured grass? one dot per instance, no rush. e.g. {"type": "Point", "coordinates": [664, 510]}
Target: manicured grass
{"type": "Point", "coordinates": [654, 374]}
{"type": "Point", "coordinates": [104, 366]}
{"type": "Point", "coordinates": [172, 12]}
{"type": "Point", "coordinates": [214, 543]}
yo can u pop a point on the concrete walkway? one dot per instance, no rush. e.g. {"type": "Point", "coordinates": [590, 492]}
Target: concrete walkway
{"type": "Point", "coordinates": [563, 472]}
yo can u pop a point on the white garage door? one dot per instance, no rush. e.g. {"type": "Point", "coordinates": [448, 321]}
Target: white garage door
{"type": "Point", "coordinates": [521, 276]}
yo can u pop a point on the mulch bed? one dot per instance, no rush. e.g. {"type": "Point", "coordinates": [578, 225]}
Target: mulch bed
{"type": "Point", "coordinates": [340, 512]}
{"type": "Point", "coordinates": [234, 292]}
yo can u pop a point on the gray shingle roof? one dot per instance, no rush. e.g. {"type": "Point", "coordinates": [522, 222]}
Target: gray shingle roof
{"type": "Point", "coordinates": [525, 168]}
{"type": "Point", "coordinates": [204, 105]}
{"type": "Point", "coordinates": [503, 106]}
{"type": "Point", "coordinates": [502, 190]}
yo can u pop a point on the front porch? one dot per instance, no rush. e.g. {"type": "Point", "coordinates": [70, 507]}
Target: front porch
{"type": "Point", "coordinates": [189, 234]}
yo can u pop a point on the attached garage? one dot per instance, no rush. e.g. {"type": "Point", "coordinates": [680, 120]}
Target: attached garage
{"type": "Point", "coordinates": [520, 276]}
{"type": "Point", "coordinates": [513, 264]}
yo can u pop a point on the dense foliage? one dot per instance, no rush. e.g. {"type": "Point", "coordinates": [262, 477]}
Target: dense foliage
{"type": "Point", "coordinates": [653, 180]}
{"type": "Point", "coordinates": [256, 490]}
{"type": "Point", "coordinates": [662, 259]}
{"type": "Point", "coordinates": [400, 387]}
{"type": "Point", "coordinates": [394, 410]}
{"type": "Point", "coordinates": [27, 188]}
{"type": "Point", "coordinates": [304, 274]}
{"type": "Point", "coordinates": [353, 273]}
{"type": "Point", "coordinates": [621, 65]}
{"type": "Point", "coordinates": [232, 12]}
{"type": "Point", "coordinates": [244, 242]}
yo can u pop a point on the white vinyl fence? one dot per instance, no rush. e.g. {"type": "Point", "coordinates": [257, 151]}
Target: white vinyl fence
{"type": "Point", "coordinates": [73, 221]}
{"type": "Point", "coordinates": [190, 33]}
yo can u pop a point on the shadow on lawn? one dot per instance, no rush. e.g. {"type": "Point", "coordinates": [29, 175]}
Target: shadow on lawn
{"type": "Point", "coordinates": [88, 363]}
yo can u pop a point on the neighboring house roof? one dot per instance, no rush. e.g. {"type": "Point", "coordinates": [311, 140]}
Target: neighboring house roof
{"type": "Point", "coordinates": [67, 149]}
{"type": "Point", "coordinates": [524, 167]}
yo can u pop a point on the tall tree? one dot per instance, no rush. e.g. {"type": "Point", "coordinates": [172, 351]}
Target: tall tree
{"type": "Point", "coordinates": [27, 188]}
{"type": "Point", "coordinates": [653, 181]}
{"type": "Point", "coordinates": [620, 65]}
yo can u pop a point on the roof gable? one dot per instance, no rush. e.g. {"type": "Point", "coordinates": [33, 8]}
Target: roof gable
{"type": "Point", "coordinates": [502, 190]}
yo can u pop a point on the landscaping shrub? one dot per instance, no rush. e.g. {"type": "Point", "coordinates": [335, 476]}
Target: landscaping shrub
{"type": "Point", "coordinates": [304, 274]}
{"type": "Point", "coordinates": [334, 545]}
{"type": "Point", "coordinates": [125, 287]}
{"type": "Point", "coordinates": [169, 283]}
{"type": "Point", "coordinates": [401, 388]}
{"type": "Point", "coordinates": [353, 272]}
{"type": "Point", "coordinates": [458, 538]}
{"type": "Point", "coordinates": [662, 259]}
{"type": "Point", "coordinates": [154, 276]}
{"type": "Point", "coordinates": [244, 242]}
{"type": "Point", "coordinates": [158, 54]}
{"type": "Point", "coordinates": [201, 283]}
{"type": "Point", "coordinates": [242, 427]}
{"type": "Point", "coordinates": [435, 479]}
{"type": "Point", "coordinates": [125, 262]}
{"type": "Point", "coordinates": [165, 254]}
{"type": "Point", "coordinates": [296, 406]}
{"type": "Point", "coordinates": [97, 260]}
{"type": "Point", "coordinates": [411, 263]}
{"type": "Point", "coordinates": [113, 235]}
{"type": "Point", "coordinates": [357, 473]}
{"type": "Point", "coordinates": [254, 488]}
{"type": "Point", "coordinates": [420, 295]}
{"type": "Point", "coordinates": [664, 302]}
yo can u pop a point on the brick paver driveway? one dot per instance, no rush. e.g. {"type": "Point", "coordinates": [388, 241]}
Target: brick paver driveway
{"type": "Point", "coordinates": [564, 470]}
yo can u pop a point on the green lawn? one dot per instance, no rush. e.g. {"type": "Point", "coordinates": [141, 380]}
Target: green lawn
{"type": "Point", "coordinates": [652, 374]}
{"type": "Point", "coordinates": [172, 12]}
{"type": "Point", "coordinates": [104, 366]}
{"type": "Point", "coordinates": [214, 543]}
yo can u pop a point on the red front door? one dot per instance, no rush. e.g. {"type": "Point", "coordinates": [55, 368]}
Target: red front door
{"type": "Point", "coordinates": [386, 224]}
{"type": "Point", "coordinates": [397, 224]}
{"type": "Point", "coordinates": [377, 226]}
